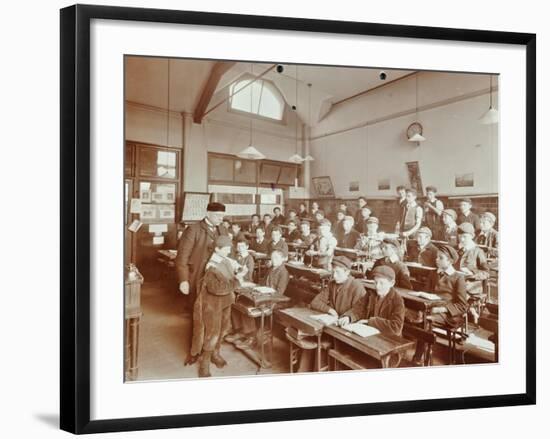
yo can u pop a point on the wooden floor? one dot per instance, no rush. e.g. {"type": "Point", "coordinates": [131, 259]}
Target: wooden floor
{"type": "Point", "coordinates": [164, 341]}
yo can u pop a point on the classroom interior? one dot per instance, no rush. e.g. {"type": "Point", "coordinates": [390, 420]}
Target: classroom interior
{"type": "Point", "coordinates": [256, 136]}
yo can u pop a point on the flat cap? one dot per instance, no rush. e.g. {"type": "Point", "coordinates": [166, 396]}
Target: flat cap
{"type": "Point", "coordinates": [451, 213]}
{"type": "Point", "coordinates": [215, 207]}
{"type": "Point", "coordinates": [342, 261]}
{"type": "Point", "coordinates": [384, 271]}
{"type": "Point", "coordinates": [466, 228]}
{"type": "Point", "coordinates": [373, 220]}
{"type": "Point", "coordinates": [223, 241]}
{"type": "Point", "coordinates": [466, 200]}
{"type": "Point", "coordinates": [451, 253]}
{"type": "Point", "coordinates": [490, 216]}
{"type": "Point", "coordinates": [425, 230]}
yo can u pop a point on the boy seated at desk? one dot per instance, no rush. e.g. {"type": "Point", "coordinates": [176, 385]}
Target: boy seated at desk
{"type": "Point", "coordinates": [278, 217]}
{"type": "Point", "coordinates": [371, 241]}
{"type": "Point", "coordinates": [488, 236]}
{"type": "Point", "coordinates": [260, 244]}
{"type": "Point", "coordinates": [451, 287]}
{"type": "Point", "coordinates": [319, 216]}
{"type": "Point", "coordinates": [212, 308]}
{"type": "Point", "coordinates": [277, 242]}
{"type": "Point", "coordinates": [254, 224]}
{"type": "Point", "coordinates": [361, 222]}
{"type": "Point", "coordinates": [306, 237]}
{"type": "Point", "coordinates": [422, 251]}
{"type": "Point", "coordinates": [341, 295]}
{"type": "Point", "coordinates": [244, 259]}
{"type": "Point", "coordinates": [244, 326]}
{"type": "Point", "coordinates": [350, 237]}
{"type": "Point", "coordinates": [236, 233]}
{"type": "Point", "coordinates": [383, 309]}
{"type": "Point", "coordinates": [323, 248]}
{"type": "Point", "coordinates": [292, 234]}
{"type": "Point", "coordinates": [292, 216]}
{"type": "Point", "coordinates": [392, 250]}
{"type": "Point", "coordinates": [450, 229]}
{"type": "Point", "coordinates": [472, 262]}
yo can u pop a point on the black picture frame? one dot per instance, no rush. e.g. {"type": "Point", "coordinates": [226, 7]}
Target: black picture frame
{"type": "Point", "coordinates": [75, 217]}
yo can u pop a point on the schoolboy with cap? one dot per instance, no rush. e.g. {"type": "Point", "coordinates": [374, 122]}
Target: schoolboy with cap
{"type": "Point", "coordinates": [422, 251]}
{"type": "Point", "coordinates": [450, 231]}
{"type": "Point", "coordinates": [343, 290]}
{"type": "Point", "coordinates": [383, 309]}
{"type": "Point", "coordinates": [350, 237]}
{"type": "Point", "coordinates": [212, 309]}
{"type": "Point", "coordinates": [324, 246]}
{"type": "Point", "coordinates": [466, 215]}
{"type": "Point", "coordinates": [391, 251]}
{"type": "Point", "coordinates": [472, 260]}
{"type": "Point", "coordinates": [433, 210]}
{"type": "Point", "coordinates": [450, 285]}
{"type": "Point", "coordinates": [371, 241]}
{"type": "Point", "coordinates": [488, 236]}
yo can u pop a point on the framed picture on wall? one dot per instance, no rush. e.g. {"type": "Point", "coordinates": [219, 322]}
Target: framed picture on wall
{"type": "Point", "coordinates": [323, 186]}
{"type": "Point", "coordinates": [106, 384]}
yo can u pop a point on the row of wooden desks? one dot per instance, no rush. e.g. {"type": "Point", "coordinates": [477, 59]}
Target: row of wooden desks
{"type": "Point", "coordinates": [387, 349]}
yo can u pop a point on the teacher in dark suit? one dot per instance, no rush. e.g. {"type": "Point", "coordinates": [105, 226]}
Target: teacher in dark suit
{"type": "Point", "coordinates": [195, 248]}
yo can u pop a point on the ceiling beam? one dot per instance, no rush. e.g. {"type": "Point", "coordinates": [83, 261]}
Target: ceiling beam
{"type": "Point", "coordinates": [218, 70]}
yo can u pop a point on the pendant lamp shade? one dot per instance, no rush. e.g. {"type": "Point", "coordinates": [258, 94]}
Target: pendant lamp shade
{"type": "Point", "coordinates": [296, 158]}
{"type": "Point", "coordinates": [417, 137]}
{"type": "Point", "coordinates": [491, 115]}
{"type": "Point", "coordinates": [251, 153]}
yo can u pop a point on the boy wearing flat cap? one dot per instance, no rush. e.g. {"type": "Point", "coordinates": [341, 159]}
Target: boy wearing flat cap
{"type": "Point", "coordinates": [466, 215]}
{"type": "Point", "coordinates": [212, 309]}
{"type": "Point", "coordinates": [350, 237]}
{"type": "Point", "coordinates": [391, 250]}
{"type": "Point", "coordinates": [450, 231]}
{"type": "Point", "coordinates": [472, 260]}
{"type": "Point", "coordinates": [383, 309]}
{"type": "Point", "coordinates": [343, 291]}
{"type": "Point", "coordinates": [450, 285]}
{"type": "Point", "coordinates": [422, 251]}
{"type": "Point", "coordinates": [488, 236]}
{"type": "Point", "coordinates": [433, 209]}
{"type": "Point", "coordinates": [371, 241]}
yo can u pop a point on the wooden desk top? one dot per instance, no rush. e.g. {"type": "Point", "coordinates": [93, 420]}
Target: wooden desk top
{"type": "Point", "coordinates": [170, 254]}
{"type": "Point", "coordinates": [377, 346]}
{"type": "Point", "coordinates": [299, 318]}
{"type": "Point", "coordinates": [259, 256]}
{"type": "Point", "coordinates": [259, 299]}
{"type": "Point", "coordinates": [419, 266]}
{"type": "Point", "coordinates": [298, 245]}
{"type": "Point", "coordinates": [301, 269]}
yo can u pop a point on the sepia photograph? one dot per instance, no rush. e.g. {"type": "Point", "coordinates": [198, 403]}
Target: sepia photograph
{"type": "Point", "coordinates": [307, 218]}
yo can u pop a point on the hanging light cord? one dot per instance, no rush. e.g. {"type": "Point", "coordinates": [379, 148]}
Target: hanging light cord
{"type": "Point", "coordinates": [168, 105]}
{"type": "Point", "coordinates": [296, 110]}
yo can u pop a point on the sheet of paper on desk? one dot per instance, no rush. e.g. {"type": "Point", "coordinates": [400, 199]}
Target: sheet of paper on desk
{"type": "Point", "coordinates": [158, 240]}
{"type": "Point", "coordinates": [247, 284]}
{"type": "Point", "coordinates": [424, 295]}
{"type": "Point", "coordinates": [265, 290]}
{"type": "Point", "coordinates": [325, 319]}
{"type": "Point", "coordinates": [361, 329]}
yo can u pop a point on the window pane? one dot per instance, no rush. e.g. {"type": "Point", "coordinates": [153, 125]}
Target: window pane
{"type": "Point", "coordinates": [155, 163]}
{"type": "Point", "coordinates": [245, 171]}
{"type": "Point", "coordinates": [269, 173]}
{"type": "Point", "coordinates": [220, 169]}
{"type": "Point", "coordinates": [241, 99]}
{"type": "Point", "coordinates": [271, 104]}
{"type": "Point", "coordinates": [287, 175]}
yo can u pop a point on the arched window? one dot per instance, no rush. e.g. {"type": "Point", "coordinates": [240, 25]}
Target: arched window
{"type": "Point", "coordinates": [261, 98]}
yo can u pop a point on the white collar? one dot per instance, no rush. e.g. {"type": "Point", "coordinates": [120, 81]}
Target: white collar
{"type": "Point", "coordinates": [450, 270]}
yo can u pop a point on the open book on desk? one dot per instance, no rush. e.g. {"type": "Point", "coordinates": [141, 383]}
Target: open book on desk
{"type": "Point", "coordinates": [424, 295]}
{"type": "Point", "coordinates": [361, 329]}
{"type": "Point", "coordinates": [264, 290]}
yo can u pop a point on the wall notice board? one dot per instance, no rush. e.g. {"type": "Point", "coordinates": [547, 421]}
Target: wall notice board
{"type": "Point", "coordinates": [194, 205]}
